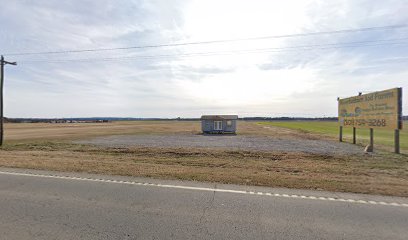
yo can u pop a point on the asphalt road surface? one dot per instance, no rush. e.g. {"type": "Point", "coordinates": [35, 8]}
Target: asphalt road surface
{"type": "Point", "coordinates": [48, 205]}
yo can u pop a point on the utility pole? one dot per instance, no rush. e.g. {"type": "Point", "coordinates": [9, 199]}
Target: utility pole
{"type": "Point", "coordinates": [2, 64]}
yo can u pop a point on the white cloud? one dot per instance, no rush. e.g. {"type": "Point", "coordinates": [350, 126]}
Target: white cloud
{"type": "Point", "coordinates": [292, 82]}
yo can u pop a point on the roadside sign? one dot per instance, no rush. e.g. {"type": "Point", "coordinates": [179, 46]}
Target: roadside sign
{"type": "Point", "coordinates": [381, 110]}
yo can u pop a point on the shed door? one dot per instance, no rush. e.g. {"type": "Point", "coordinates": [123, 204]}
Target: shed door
{"type": "Point", "coordinates": [217, 125]}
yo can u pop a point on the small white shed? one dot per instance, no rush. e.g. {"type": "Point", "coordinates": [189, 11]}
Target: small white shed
{"type": "Point", "coordinates": [219, 123]}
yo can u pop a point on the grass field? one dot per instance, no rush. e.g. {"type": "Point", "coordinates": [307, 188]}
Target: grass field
{"type": "Point", "coordinates": [50, 147]}
{"type": "Point", "coordinates": [382, 138]}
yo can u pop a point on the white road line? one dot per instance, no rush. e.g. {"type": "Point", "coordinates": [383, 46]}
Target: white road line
{"type": "Point", "coordinates": [317, 198]}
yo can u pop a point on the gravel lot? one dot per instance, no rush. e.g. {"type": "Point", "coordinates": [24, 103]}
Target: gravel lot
{"type": "Point", "coordinates": [236, 142]}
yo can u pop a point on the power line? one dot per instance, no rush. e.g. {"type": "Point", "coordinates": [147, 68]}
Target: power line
{"type": "Point", "coordinates": [370, 43]}
{"type": "Point", "coordinates": [203, 54]}
{"type": "Point", "coordinates": [213, 41]}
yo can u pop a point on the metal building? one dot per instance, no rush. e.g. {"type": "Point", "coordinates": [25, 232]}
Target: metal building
{"type": "Point", "coordinates": [219, 123]}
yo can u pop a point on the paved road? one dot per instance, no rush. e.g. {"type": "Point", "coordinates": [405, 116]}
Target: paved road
{"type": "Point", "coordinates": [78, 206]}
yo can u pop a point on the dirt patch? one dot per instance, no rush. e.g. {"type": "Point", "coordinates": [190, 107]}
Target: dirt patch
{"type": "Point", "coordinates": [233, 142]}
{"type": "Point", "coordinates": [17, 132]}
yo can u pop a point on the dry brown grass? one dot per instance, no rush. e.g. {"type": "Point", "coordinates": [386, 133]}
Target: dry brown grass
{"type": "Point", "coordinates": [17, 132]}
{"type": "Point", "coordinates": [69, 131]}
{"type": "Point", "coordinates": [47, 146]}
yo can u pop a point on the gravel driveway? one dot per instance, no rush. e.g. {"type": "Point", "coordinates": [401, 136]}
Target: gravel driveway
{"type": "Point", "coordinates": [235, 142]}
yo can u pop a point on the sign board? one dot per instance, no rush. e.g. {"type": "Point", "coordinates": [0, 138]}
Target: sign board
{"type": "Point", "coordinates": [381, 110]}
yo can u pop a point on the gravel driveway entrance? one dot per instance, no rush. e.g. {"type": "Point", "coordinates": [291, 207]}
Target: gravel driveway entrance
{"type": "Point", "coordinates": [235, 142]}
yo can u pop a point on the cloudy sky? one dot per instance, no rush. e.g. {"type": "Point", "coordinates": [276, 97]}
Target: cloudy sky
{"type": "Point", "coordinates": [251, 58]}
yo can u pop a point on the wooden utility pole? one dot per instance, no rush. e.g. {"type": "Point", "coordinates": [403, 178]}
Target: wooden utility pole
{"type": "Point", "coordinates": [400, 122]}
{"type": "Point", "coordinates": [2, 64]}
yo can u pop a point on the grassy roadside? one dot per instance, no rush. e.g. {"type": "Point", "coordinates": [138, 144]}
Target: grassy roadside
{"type": "Point", "coordinates": [382, 138]}
{"type": "Point", "coordinates": [382, 173]}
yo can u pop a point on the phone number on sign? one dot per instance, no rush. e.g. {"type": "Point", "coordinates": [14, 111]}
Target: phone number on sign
{"type": "Point", "coordinates": [366, 122]}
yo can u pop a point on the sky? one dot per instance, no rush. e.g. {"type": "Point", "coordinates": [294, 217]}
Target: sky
{"type": "Point", "coordinates": [251, 58]}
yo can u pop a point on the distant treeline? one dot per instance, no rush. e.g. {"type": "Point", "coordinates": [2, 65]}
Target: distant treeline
{"type": "Point", "coordinates": [81, 120]}
{"type": "Point", "coordinates": [288, 119]}
{"type": "Point", "coordinates": [110, 119]}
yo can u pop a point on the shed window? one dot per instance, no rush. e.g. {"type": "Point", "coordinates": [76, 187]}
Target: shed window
{"type": "Point", "coordinates": [217, 125]}
{"type": "Point", "coordinates": [229, 123]}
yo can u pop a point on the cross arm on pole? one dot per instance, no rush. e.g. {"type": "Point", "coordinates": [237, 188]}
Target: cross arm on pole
{"type": "Point", "coordinates": [4, 62]}
{"type": "Point", "coordinates": [10, 63]}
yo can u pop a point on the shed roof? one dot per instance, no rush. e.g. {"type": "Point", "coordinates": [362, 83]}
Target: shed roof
{"type": "Point", "coordinates": [219, 117]}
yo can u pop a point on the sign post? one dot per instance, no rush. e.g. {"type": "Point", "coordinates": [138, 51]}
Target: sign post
{"type": "Point", "coordinates": [354, 135]}
{"type": "Point", "coordinates": [379, 110]}
{"type": "Point", "coordinates": [397, 141]}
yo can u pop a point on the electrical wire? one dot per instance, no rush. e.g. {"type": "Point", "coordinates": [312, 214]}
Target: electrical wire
{"type": "Point", "coordinates": [370, 43]}
{"type": "Point", "coordinates": [211, 42]}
